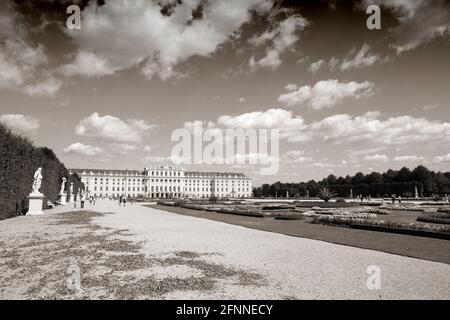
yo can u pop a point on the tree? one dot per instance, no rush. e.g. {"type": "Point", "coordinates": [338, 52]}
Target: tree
{"type": "Point", "coordinates": [331, 179]}
{"type": "Point", "coordinates": [357, 178]}
{"type": "Point", "coordinates": [326, 194]}
{"type": "Point", "coordinates": [423, 175]}
{"type": "Point", "coordinates": [403, 175]}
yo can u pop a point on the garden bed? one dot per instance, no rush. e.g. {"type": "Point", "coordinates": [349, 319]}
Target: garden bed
{"type": "Point", "coordinates": [289, 217]}
{"type": "Point", "coordinates": [277, 207]}
{"type": "Point", "coordinates": [242, 213]}
{"type": "Point", "coordinates": [439, 232]}
{"type": "Point", "coordinates": [442, 218]}
{"type": "Point", "coordinates": [326, 204]}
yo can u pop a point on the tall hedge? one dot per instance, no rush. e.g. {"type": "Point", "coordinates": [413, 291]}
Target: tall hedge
{"type": "Point", "coordinates": [19, 159]}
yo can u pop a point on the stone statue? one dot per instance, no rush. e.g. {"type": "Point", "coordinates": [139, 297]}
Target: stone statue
{"type": "Point", "coordinates": [37, 180]}
{"type": "Point", "coordinates": [63, 184]}
{"type": "Point", "coordinates": [71, 188]}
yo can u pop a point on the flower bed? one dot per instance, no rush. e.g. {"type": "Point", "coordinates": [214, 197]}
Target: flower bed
{"type": "Point", "coordinates": [166, 203]}
{"type": "Point", "coordinates": [287, 215]}
{"type": "Point", "coordinates": [441, 232]}
{"type": "Point", "coordinates": [312, 204]}
{"type": "Point", "coordinates": [277, 207]}
{"type": "Point", "coordinates": [400, 207]}
{"type": "Point", "coordinates": [242, 212]}
{"type": "Point", "coordinates": [435, 218]}
{"type": "Point", "coordinates": [192, 206]}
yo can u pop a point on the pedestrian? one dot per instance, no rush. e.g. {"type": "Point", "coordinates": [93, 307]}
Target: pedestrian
{"type": "Point", "coordinates": [393, 198]}
{"type": "Point", "coordinates": [124, 200]}
{"type": "Point", "coordinates": [120, 200]}
{"type": "Point", "coordinates": [399, 199]}
{"type": "Point", "coordinates": [82, 199]}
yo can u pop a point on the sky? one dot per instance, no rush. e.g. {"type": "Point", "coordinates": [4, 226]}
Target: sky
{"type": "Point", "coordinates": [343, 98]}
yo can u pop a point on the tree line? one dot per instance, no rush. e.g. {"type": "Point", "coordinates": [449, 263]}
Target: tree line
{"type": "Point", "coordinates": [19, 159]}
{"type": "Point", "coordinates": [401, 183]}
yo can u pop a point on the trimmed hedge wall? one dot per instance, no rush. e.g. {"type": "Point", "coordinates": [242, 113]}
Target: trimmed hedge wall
{"type": "Point", "coordinates": [19, 159]}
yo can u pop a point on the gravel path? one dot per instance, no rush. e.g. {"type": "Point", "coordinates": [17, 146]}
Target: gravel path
{"type": "Point", "coordinates": [143, 253]}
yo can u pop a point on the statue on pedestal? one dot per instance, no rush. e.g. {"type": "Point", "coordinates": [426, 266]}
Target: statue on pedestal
{"type": "Point", "coordinates": [37, 181]}
{"type": "Point", "coordinates": [35, 198]}
{"type": "Point", "coordinates": [71, 195]}
{"type": "Point", "coordinates": [63, 185]}
{"type": "Point", "coordinates": [62, 193]}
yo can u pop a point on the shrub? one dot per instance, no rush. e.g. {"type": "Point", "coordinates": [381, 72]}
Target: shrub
{"type": "Point", "coordinates": [19, 159]}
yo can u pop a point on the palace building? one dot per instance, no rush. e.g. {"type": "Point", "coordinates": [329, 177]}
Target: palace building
{"type": "Point", "coordinates": [164, 182]}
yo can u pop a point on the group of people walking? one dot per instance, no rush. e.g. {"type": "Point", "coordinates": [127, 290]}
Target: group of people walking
{"type": "Point", "coordinates": [123, 200]}
{"type": "Point", "coordinates": [92, 200]}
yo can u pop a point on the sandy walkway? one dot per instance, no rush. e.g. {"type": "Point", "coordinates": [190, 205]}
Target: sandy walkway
{"type": "Point", "coordinates": [139, 252]}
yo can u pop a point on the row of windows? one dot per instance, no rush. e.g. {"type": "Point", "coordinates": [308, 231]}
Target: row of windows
{"type": "Point", "coordinates": [166, 173]}
{"type": "Point", "coordinates": [165, 188]}
{"type": "Point", "coordinates": [119, 189]}
{"type": "Point", "coordinates": [189, 182]}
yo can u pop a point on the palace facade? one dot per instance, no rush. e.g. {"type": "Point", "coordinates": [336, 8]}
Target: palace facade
{"type": "Point", "coordinates": [164, 182]}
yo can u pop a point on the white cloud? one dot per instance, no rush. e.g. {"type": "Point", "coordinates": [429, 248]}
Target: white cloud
{"type": "Point", "coordinates": [128, 34]}
{"type": "Point", "coordinates": [113, 129]}
{"type": "Point", "coordinates": [430, 107]}
{"type": "Point", "coordinates": [441, 159]}
{"type": "Point", "coordinates": [47, 88]}
{"type": "Point", "coordinates": [20, 61]}
{"type": "Point", "coordinates": [376, 158]}
{"type": "Point", "coordinates": [316, 66]}
{"type": "Point", "coordinates": [21, 123]}
{"type": "Point", "coordinates": [419, 21]}
{"type": "Point", "coordinates": [333, 62]}
{"type": "Point", "coordinates": [88, 64]}
{"type": "Point", "coordinates": [291, 87]}
{"type": "Point", "coordinates": [283, 37]}
{"type": "Point", "coordinates": [295, 156]}
{"type": "Point", "coordinates": [409, 158]}
{"type": "Point", "coordinates": [362, 58]}
{"type": "Point", "coordinates": [280, 119]}
{"type": "Point", "coordinates": [326, 94]}
{"type": "Point", "coordinates": [121, 148]}
{"type": "Point", "coordinates": [402, 130]}
{"type": "Point", "coordinates": [79, 148]}
{"type": "Point", "coordinates": [290, 127]}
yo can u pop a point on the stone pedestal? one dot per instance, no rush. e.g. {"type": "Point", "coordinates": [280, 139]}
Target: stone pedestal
{"type": "Point", "coordinates": [63, 198]}
{"type": "Point", "coordinates": [35, 204]}
{"type": "Point", "coordinates": [71, 198]}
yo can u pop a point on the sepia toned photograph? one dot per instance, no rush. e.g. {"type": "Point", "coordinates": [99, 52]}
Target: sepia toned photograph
{"type": "Point", "coordinates": [245, 152]}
